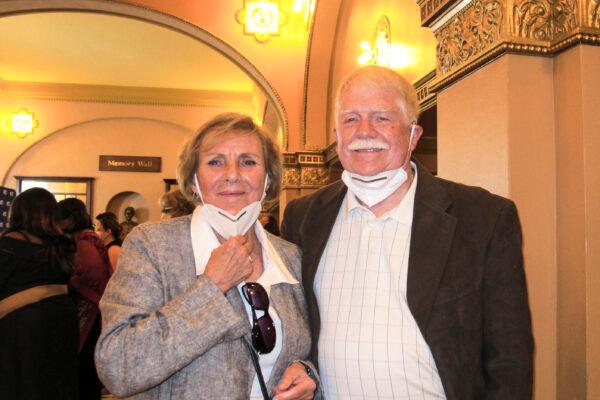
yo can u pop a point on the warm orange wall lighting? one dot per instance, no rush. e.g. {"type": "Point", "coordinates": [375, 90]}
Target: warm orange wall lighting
{"type": "Point", "coordinates": [23, 123]}
{"type": "Point", "coordinates": [261, 18]}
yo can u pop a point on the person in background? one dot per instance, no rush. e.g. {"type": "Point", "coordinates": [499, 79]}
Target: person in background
{"type": "Point", "coordinates": [92, 272]}
{"type": "Point", "coordinates": [106, 214]}
{"type": "Point", "coordinates": [38, 320]}
{"type": "Point", "coordinates": [269, 223]}
{"type": "Point", "coordinates": [109, 230]}
{"type": "Point", "coordinates": [415, 285]}
{"type": "Point", "coordinates": [201, 304]}
{"type": "Point", "coordinates": [174, 204]}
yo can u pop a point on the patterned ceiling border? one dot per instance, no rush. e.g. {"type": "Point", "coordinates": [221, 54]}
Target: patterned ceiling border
{"type": "Point", "coordinates": [485, 29]}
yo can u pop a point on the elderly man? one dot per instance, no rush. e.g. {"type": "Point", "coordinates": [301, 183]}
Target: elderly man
{"type": "Point", "coordinates": [415, 285]}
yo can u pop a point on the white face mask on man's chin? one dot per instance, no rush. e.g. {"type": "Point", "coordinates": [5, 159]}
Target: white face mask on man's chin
{"type": "Point", "coordinates": [372, 190]}
{"type": "Point", "coordinates": [226, 224]}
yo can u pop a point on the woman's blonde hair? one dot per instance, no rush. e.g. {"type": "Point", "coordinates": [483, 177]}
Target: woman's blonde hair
{"type": "Point", "coordinates": [229, 123]}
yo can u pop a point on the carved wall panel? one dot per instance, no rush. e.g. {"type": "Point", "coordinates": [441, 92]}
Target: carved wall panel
{"type": "Point", "coordinates": [291, 177]}
{"type": "Point", "coordinates": [485, 29]}
{"type": "Point", "coordinates": [592, 14]}
{"type": "Point", "coordinates": [314, 176]}
{"type": "Point", "coordinates": [468, 34]}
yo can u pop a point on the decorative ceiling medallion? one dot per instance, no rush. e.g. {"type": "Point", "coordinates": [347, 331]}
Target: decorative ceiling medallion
{"type": "Point", "coordinates": [261, 18]}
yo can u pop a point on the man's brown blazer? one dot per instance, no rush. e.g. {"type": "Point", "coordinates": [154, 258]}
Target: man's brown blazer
{"type": "Point", "coordinates": [466, 284]}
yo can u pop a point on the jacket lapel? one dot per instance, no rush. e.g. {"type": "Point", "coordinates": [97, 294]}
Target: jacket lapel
{"type": "Point", "coordinates": [431, 239]}
{"type": "Point", "coordinates": [317, 228]}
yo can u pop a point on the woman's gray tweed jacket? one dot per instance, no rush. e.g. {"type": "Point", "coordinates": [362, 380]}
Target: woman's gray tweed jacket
{"type": "Point", "coordinates": [169, 334]}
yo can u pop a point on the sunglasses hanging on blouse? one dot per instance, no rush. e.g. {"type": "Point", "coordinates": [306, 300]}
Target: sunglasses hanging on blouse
{"type": "Point", "coordinates": [263, 330]}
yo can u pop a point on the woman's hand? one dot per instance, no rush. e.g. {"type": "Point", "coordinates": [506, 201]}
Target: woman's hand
{"type": "Point", "coordinates": [295, 384]}
{"type": "Point", "coordinates": [230, 263]}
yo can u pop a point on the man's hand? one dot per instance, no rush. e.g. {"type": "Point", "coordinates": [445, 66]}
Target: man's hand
{"type": "Point", "coordinates": [295, 384]}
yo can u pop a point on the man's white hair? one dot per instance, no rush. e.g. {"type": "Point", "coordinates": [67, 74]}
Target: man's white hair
{"type": "Point", "coordinates": [383, 77]}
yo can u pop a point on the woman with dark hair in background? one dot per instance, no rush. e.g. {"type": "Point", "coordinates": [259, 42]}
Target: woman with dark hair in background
{"type": "Point", "coordinates": [92, 271]}
{"type": "Point", "coordinates": [38, 321]}
{"type": "Point", "coordinates": [109, 230]}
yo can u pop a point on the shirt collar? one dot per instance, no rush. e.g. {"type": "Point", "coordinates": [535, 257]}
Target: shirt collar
{"type": "Point", "coordinates": [204, 241]}
{"type": "Point", "coordinates": [402, 213]}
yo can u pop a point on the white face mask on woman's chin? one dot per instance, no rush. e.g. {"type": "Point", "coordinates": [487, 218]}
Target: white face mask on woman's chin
{"type": "Point", "coordinates": [226, 224]}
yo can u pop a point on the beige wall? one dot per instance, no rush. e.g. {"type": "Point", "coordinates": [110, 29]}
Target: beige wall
{"type": "Point", "coordinates": [577, 103]}
{"type": "Point", "coordinates": [495, 130]}
{"type": "Point", "coordinates": [590, 67]}
{"type": "Point", "coordinates": [75, 151]}
{"type": "Point", "coordinates": [72, 135]}
{"type": "Point", "coordinates": [528, 128]}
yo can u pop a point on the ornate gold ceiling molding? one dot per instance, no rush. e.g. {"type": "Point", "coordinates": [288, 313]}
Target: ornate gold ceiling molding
{"type": "Point", "coordinates": [127, 95]}
{"type": "Point", "coordinates": [485, 29]}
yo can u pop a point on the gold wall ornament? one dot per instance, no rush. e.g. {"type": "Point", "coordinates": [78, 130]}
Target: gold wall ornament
{"type": "Point", "coordinates": [305, 169]}
{"type": "Point", "coordinates": [474, 29]}
{"type": "Point", "coordinates": [565, 17]}
{"type": "Point", "coordinates": [314, 176]}
{"type": "Point", "coordinates": [543, 19]}
{"type": "Point", "coordinates": [592, 14]}
{"type": "Point", "coordinates": [291, 177]}
{"type": "Point", "coordinates": [482, 30]}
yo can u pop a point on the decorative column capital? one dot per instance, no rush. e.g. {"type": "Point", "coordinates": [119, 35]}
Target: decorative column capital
{"type": "Point", "coordinates": [469, 33]}
{"type": "Point", "coordinates": [304, 169]}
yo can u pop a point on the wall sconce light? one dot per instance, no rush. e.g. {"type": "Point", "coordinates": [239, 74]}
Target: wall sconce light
{"type": "Point", "coordinates": [23, 123]}
{"type": "Point", "coordinates": [381, 51]}
{"type": "Point", "coordinates": [261, 18]}
{"type": "Point", "coordinates": [377, 52]}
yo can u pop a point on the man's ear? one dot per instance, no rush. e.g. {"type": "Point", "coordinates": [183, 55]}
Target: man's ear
{"type": "Point", "coordinates": [417, 132]}
{"type": "Point", "coordinates": [337, 135]}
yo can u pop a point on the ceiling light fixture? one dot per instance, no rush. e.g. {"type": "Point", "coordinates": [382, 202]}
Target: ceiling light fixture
{"type": "Point", "coordinates": [261, 18]}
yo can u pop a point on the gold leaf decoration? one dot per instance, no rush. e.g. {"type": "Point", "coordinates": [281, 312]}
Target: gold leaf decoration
{"type": "Point", "coordinates": [593, 14]}
{"type": "Point", "coordinates": [469, 34]}
{"type": "Point", "coordinates": [314, 176]}
{"type": "Point", "coordinates": [291, 177]}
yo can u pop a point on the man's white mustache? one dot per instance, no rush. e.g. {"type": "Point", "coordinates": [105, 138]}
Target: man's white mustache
{"type": "Point", "coordinates": [367, 144]}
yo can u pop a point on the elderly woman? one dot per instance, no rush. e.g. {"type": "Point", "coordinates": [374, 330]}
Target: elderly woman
{"type": "Point", "coordinates": [174, 204]}
{"type": "Point", "coordinates": [209, 306]}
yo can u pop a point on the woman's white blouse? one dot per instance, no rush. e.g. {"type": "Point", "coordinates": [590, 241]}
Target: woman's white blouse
{"type": "Point", "coordinates": [204, 241]}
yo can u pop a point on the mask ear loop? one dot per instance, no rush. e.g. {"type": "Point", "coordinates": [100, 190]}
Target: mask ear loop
{"type": "Point", "coordinates": [198, 192]}
{"type": "Point", "coordinates": [265, 188]}
{"type": "Point", "coordinates": [409, 151]}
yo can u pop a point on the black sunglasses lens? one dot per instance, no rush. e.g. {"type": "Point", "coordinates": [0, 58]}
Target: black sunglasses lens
{"type": "Point", "coordinates": [263, 330]}
{"type": "Point", "coordinates": [265, 326]}
{"type": "Point", "coordinates": [256, 296]}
